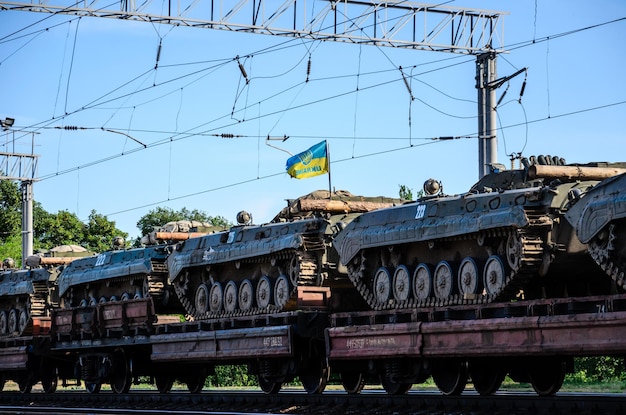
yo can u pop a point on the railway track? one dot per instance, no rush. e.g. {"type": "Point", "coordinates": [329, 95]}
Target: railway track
{"type": "Point", "coordinates": [373, 402]}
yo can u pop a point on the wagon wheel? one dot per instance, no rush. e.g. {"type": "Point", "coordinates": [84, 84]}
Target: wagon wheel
{"type": "Point", "coordinates": [24, 384]}
{"type": "Point", "coordinates": [382, 285]}
{"type": "Point", "coordinates": [164, 383]}
{"type": "Point", "coordinates": [22, 321]}
{"type": "Point", "coordinates": [401, 283]}
{"type": "Point", "coordinates": [48, 377]}
{"type": "Point", "coordinates": [230, 297]}
{"type": "Point", "coordinates": [547, 375]}
{"type": "Point", "coordinates": [264, 292]}
{"type": "Point", "coordinates": [246, 295]}
{"type": "Point", "coordinates": [443, 280]}
{"type": "Point", "coordinates": [195, 381]}
{"type": "Point", "coordinates": [13, 320]}
{"type": "Point", "coordinates": [394, 388]}
{"type": "Point", "coordinates": [486, 376]}
{"type": "Point", "coordinates": [315, 378]}
{"type": "Point", "coordinates": [353, 382]}
{"type": "Point", "coordinates": [494, 275]}
{"type": "Point", "coordinates": [450, 376]}
{"type": "Point", "coordinates": [202, 299]}
{"type": "Point", "coordinates": [122, 376]}
{"type": "Point", "coordinates": [216, 297]}
{"type": "Point", "coordinates": [4, 323]}
{"type": "Point", "coordinates": [93, 387]}
{"type": "Point", "coordinates": [281, 291]}
{"type": "Point", "coordinates": [422, 282]}
{"type": "Point", "coordinates": [468, 276]}
{"type": "Point", "coordinates": [269, 386]}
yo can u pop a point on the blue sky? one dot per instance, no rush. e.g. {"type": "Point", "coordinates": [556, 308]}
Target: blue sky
{"type": "Point", "coordinates": [99, 75]}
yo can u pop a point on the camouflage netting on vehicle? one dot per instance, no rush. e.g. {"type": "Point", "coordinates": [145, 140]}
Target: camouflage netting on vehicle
{"type": "Point", "coordinates": [342, 201]}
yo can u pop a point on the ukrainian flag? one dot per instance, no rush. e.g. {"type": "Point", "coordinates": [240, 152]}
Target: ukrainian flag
{"type": "Point", "coordinates": [309, 163]}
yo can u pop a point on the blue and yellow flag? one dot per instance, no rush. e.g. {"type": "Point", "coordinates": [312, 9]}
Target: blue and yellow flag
{"type": "Point", "coordinates": [309, 163]}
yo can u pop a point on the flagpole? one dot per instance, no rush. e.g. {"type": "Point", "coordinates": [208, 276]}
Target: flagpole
{"type": "Point", "coordinates": [330, 188]}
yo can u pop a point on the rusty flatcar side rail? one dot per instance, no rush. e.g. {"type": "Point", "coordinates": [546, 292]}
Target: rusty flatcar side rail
{"type": "Point", "coordinates": [577, 327]}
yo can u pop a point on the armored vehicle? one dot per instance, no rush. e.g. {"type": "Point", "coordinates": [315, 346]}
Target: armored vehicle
{"type": "Point", "coordinates": [600, 218]}
{"type": "Point", "coordinates": [508, 237]}
{"type": "Point", "coordinates": [122, 274]}
{"type": "Point", "coordinates": [258, 269]}
{"type": "Point", "coordinates": [31, 292]}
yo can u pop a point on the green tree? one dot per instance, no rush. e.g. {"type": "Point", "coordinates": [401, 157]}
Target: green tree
{"type": "Point", "coordinates": [159, 216]}
{"type": "Point", "coordinates": [405, 192]}
{"type": "Point", "coordinates": [12, 248]}
{"type": "Point", "coordinates": [99, 232]}
{"type": "Point", "coordinates": [10, 209]}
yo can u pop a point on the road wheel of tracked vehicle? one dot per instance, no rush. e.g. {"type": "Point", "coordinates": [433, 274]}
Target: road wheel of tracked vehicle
{"type": "Point", "coordinates": [164, 383]}
{"type": "Point", "coordinates": [494, 275]}
{"type": "Point", "coordinates": [216, 297]}
{"type": "Point", "coordinates": [487, 376]}
{"type": "Point", "coordinates": [382, 286]}
{"type": "Point", "coordinates": [468, 277]}
{"type": "Point", "coordinates": [22, 320]}
{"type": "Point", "coordinates": [422, 282]}
{"type": "Point", "coordinates": [314, 379]}
{"type": "Point", "coordinates": [282, 291]}
{"type": "Point", "coordinates": [13, 320]}
{"type": "Point", "coordinates": [202, 299]}
{"type": "Point", "coordinates": [443, 280]}
{"type": "Point", "coordinates": [547, 375]}
{"type": "Point", "coordinates": [514, 251]}
{"type": "Point", "coordinates": [125, 296]}
{"type": "Point", "coordinates": [4, 323]}
{"type": "Point", "coordinates": [122, 376]}
{"type": "Point", "coordinates": [352, 382]}
{"type": "Point", "coordinates": [93, 387]}
{"type": "Point", "coordinates": [450, 376]}
{"type": "Point", "coordinates": [269, 386]}
{"type": "Point", "coordinates": [246, 295]}
{"type": "Point", "coordinates": [230, 297]}
{"type": "Point", "coordinates": [102, 300]}
{"type": "Point", "coordinates": [264, 292]}
{"type": "Point", "coordinates": [401, 283]}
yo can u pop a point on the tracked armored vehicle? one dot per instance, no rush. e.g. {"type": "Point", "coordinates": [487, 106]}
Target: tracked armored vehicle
{"type": "Point", "coordinates": [507, 238]}
{"type": "Point", "coordinates": [259, 269]}
{"type": "Point", "coordinates": [123, 274]}
{"type": "Point", "coordinates": [30, 293]}
{"type": "Point", "coordinates": [600, 218]}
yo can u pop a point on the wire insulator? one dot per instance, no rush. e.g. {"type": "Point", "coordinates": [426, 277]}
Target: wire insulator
{"type": "Point", "coordinates": [521, 92]}
{"type": "Point", "coordinates": [406, 83]}
{"type": "Point", "coordinates": [308, 69]}
{"type": "Point", "coordinates": [243, 71]}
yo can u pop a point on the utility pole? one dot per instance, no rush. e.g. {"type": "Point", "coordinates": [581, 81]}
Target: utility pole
{"type": "Point", "coordinates": [487, 122]}
{"type": "Point", "coordinates": [22, 168]}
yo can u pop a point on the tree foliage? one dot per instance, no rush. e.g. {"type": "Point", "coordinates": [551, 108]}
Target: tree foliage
{"type": "Point", "coordinates": [159, 216]}
{"type": "Point", "coordinates": [49, 229]}
{"type": "Point", "coordinates": [10, 209]}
